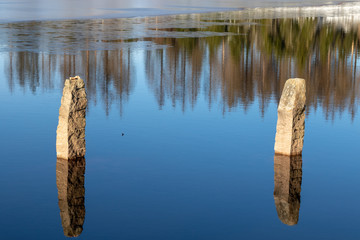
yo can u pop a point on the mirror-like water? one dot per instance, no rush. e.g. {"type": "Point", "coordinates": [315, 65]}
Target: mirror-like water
{"type": "Point", "coordinates": [227, 61]}
{"type": "Point", "coordinates": [180, 127]}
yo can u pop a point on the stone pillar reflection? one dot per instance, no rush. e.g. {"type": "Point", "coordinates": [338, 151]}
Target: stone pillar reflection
{"type": "Point", "coordinates": [287, 181]}
{"type": "Point", "coordinates": [70, 181]}
{"type": "Point", "coordinates": [70, 134]}
{"type": "Point", "coordinates": [291, 118]}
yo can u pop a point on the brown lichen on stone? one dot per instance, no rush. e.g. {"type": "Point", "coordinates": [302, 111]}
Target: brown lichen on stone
{"type": "Point", "coordinates": [70, 181]}
{"type": "Point", "coordinates": [291, 118]}
{"type": "Point", "coordinates": [287, 187]}
{"type": "Point", "coordinates": [70, 134]}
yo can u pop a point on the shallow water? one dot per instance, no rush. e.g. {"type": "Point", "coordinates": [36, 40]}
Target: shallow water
{"type": "Point", "coordinates": [180, 127]}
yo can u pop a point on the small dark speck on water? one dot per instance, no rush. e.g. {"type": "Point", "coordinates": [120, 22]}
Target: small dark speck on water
{"type": "Point", "coordinates": [122, 134]}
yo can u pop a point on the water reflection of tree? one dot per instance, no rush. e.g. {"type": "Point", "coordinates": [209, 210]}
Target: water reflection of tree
{"type": "Point", "coordinates": [175, 72]}
{"type": "Point", "coordinates": [251, 63]}
{"type": "Point", "coordinates": [323, 54]}
{"type": "Point", "coordinates": [107, 73]}
{"type": "Point", "coordinates": [258, 61]}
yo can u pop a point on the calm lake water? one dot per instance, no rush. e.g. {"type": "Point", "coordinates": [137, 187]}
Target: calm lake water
{"type": "Point", "coordinates": [181, 125]}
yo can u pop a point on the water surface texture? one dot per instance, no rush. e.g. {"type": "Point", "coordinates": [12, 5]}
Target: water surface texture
{"type": "Point", "coordinates": [180, 127]}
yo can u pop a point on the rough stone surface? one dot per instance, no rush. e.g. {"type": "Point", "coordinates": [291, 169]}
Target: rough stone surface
{"type": "Point", "coordinates": [70, 181]}
{"type": "Point", "coordinates": [291, 118]}
{"type": "Point", "coordinates": [70, 134]}
{"type": "Point", "coordinates": [287, 187]}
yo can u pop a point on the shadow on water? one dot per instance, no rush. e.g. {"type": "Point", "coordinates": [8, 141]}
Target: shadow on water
{"type": "Point", "coordinates": [230, 62]}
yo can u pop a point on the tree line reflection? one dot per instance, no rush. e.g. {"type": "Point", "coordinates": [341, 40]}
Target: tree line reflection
{"type": "Point", "coordinates": [250, 63]}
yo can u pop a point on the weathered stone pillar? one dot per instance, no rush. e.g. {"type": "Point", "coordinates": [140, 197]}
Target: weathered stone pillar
{"type": "Point", "coordinates": [287, 187]}
{"type": "Point", "coordinates": [70, 134]}
{"type": "Point", "coordinates": [291, 118]}
{"type": "Point", "coordinates": [70, 181]}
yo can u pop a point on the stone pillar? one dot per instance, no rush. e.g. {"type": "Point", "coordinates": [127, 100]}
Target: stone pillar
{"type": "Point", "coordinates": [70, 181]}
{"type": "Point", "coordinates": [70, 134]}
{"type": "Point", "coordinates": [287, 187]}
{"type": "Point", "coordinates": [291, 118]}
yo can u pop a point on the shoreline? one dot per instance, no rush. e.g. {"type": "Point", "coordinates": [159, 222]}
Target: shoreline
{"type": "Point", "coordinates": [334, 9]}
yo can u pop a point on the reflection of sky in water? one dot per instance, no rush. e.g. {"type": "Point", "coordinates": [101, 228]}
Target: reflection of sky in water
{"type": "Point", "coordinates": [198, 173]}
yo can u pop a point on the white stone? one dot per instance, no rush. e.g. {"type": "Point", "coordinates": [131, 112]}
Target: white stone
{"type": "Point", "coordinates": [291, 118]}
{"type": "Point", "coordinates": [70, 134]}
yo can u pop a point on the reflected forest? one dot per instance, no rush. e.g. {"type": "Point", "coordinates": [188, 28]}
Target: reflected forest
{"type": "Point", "coordinates": [235, 64]}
